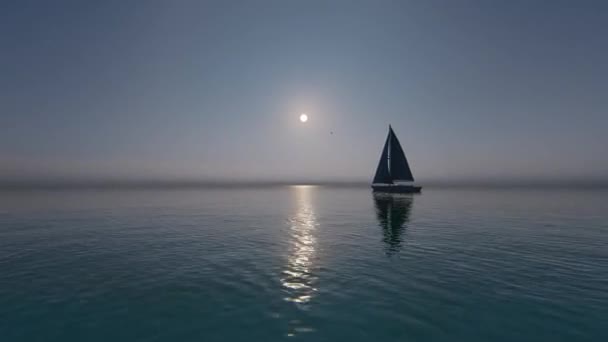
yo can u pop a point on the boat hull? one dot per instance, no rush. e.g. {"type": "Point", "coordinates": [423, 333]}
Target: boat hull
{"type": "Point", "coordinates": [399, 189]}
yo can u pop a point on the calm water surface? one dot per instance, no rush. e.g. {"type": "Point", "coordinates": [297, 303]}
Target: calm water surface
{"type": "Point", "coordinates": [303, 263]}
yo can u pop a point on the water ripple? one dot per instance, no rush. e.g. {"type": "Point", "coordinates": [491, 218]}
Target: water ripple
{"type": "Point", "coordinates": [304, 262]}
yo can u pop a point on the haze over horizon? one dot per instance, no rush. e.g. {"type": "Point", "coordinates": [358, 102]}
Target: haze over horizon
{"type": "Point", "coordinates": [189, 90]}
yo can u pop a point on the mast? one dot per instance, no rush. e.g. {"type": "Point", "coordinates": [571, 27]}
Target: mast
{"type": "Point", "coordinates": [388, 156]}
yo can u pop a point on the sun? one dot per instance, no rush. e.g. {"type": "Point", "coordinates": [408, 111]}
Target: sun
{"type": "Point", "coordinates": [303, 118]}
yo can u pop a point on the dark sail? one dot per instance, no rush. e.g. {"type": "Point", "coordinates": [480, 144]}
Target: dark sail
{"type": "Point", "coordinates": [382, 175]}
{"type": "Point", "coordinates": [399, 169]}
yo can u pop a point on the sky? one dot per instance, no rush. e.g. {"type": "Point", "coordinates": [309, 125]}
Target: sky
{"type": "Point", "coordinates": [212, 90]}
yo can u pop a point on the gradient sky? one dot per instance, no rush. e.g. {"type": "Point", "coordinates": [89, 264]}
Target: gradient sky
{"type": "Point", "coordinates": [213, 90]}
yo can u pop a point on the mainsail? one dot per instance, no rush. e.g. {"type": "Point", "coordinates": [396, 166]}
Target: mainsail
{"type": "Point", "coordinates": [393, 165]}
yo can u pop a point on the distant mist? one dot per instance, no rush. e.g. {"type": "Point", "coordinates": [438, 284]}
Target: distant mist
{"type": "Point", "coordinates": [61, 184]}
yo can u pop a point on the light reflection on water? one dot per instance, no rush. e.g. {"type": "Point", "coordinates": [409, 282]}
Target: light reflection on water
{"type": "Point", "coordinates": [298, 279]}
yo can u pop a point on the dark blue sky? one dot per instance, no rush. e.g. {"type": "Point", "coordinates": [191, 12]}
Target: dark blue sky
{"type": "Point", "coordinates": [213, 90]}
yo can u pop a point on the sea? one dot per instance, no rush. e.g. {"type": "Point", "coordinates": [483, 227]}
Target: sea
{"type": "Point", "coordinates": [303, 263]}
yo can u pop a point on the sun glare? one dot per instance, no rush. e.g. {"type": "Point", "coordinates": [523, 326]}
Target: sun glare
{"type": "Point", "coordinates": [303, 118]}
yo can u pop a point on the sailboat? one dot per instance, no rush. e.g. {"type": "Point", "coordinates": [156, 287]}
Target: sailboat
{"type": "Point", "coordinates": [393, 173]}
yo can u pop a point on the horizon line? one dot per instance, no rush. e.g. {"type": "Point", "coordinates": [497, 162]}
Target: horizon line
{"type": "Point", "coordinates": [101, 183]}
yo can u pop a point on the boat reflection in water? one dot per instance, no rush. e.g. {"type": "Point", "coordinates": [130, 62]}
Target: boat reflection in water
{"type": "Point", "coordinates": [393, 213]}
{"type": "Point", "coordinates": [298, 278]}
